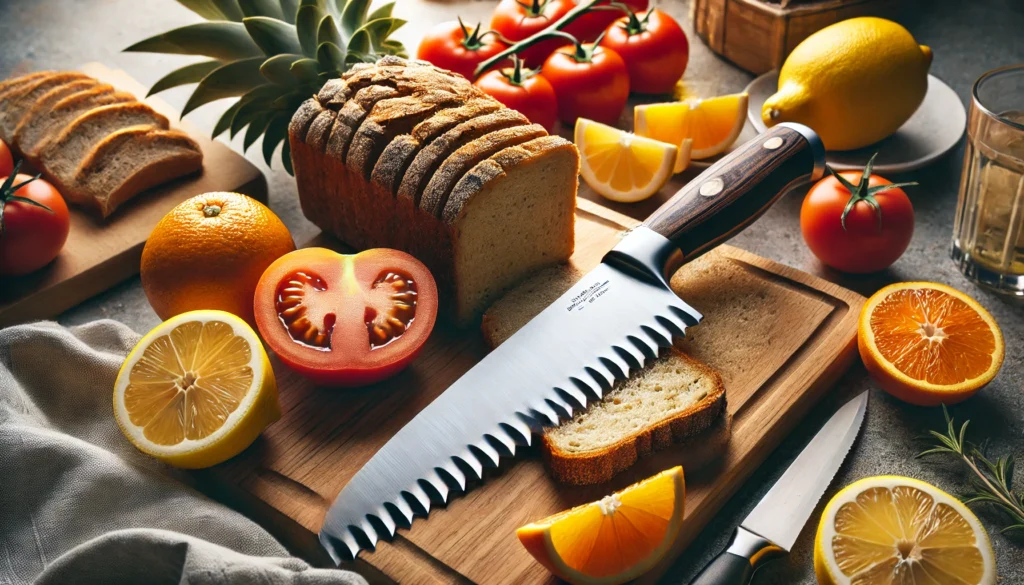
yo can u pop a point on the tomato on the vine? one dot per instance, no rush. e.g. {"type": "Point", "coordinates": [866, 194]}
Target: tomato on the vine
{"type": "Point", "coordinates": [34, 224]}
{"type": "Point", "coordinates": [523, 90]}
{"type": "Point", "coordinates": [590, 81]}
{"type": "Point", "coordinates": [346, 320]}
{"type": "Point", "coordinates": [450, 45]}
{"type": "Point", "coordinates": [519, 19]}
{"type": "Point", "coordinates": [857, 227]}
{"type": "Point", "coordinates": [6, 160]}
{"type": "Point", "coordinates": [654, 47]}
{"type": "Point", "coordinates": [589, 26]}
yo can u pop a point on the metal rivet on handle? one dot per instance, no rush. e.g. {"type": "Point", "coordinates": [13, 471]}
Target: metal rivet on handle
{"type": "Point", "coordinates": [772, 143]}
{"type": "Point", "coordinates": [712, 187]}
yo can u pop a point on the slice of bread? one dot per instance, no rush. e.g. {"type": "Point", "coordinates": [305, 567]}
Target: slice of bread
{"type": "Point", "coordinates": [9, 85]}
{"type": "Point", "coordinates": [62, 156]}
{"type": "Point", "coordinates": [42, 126]}
{"type": "Point", "coordinates": [46, 102]}
{"type": "Point", "coordinates": [19, 101]}
{"type": "Point", "coordinates": [130, 161]}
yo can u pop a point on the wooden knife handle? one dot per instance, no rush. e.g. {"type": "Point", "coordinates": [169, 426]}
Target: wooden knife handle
{"type": "Point", "coordinates": [736, 190]}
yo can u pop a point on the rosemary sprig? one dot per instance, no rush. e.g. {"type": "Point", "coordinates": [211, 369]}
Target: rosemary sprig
{"type": "Point", "coordinates": [993, 480]}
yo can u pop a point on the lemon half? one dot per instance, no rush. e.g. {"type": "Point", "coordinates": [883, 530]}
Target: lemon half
{"type": "Point", "coordinates": [196, 390]}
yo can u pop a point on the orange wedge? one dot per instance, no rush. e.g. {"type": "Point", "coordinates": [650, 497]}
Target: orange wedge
{"type": "Point", "coordinates": [928, 344]}
{"type": "Point", "coordinates": [622, 166]}
{"type": "Point", "coordinates": [614, 539]}
{"type": "Point", "coordinates": [713, 124]}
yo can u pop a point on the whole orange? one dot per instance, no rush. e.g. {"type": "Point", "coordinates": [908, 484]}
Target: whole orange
{"type": "Point", "coordinates": [209, 253]}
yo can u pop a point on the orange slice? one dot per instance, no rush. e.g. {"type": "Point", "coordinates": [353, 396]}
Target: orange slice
{"type": "Point", "coordinates": [713, 124]}
{"type": "Point", "coordinates": [928, 344]}
{"type": "Point", "coordinates": [622, 166]}
{"type": "Point", "coordinates": [614, 539]}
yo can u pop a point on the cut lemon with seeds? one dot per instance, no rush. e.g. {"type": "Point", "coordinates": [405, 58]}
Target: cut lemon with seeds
{"type": "Point", "coordinates": [612, 540]}
{"type": "Point", "coordinates": [196, 390]}
{"type": "Point", "coordinates": [900, 531]}
{"type": "Point", "coordinates": [928, 344]}
{"type": "Point", "coordinates": [713, 124]}
{"type": "Point", "coordinates": [622, 166]}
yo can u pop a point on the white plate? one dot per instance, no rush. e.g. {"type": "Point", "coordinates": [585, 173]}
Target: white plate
{"type": "Point", "coordinates": [933, 130]}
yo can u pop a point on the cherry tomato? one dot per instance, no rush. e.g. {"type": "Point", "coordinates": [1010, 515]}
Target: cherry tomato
{"type": "Point", "coordinates": [34, 223]}
{"type": "Point", "coordinates": [346, 320]}
{"type": "Point", "coordinates": [654, 47]}
{"type": "Point", "coordinates": [590, 25]}
{"type": "Point", "coordinates": [450, 45]}
{"type": "Point", "coordinates": [877, 229]}
{"type": "Point", "coordinates": [590, 82]}
{"type": "Point", "coordinates": [6, 160]}
{"type": "Point", "coordinates": [519, 19]}
{"type": "Point", "coordinates": [523, 90]}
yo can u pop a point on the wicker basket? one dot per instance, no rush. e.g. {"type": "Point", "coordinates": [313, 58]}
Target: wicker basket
{"type": "Point", "coordinates": [757, 35]}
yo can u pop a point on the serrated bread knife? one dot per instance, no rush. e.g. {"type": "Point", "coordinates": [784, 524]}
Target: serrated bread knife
{"type": "Point", "coordinates": [772, 527]}
{"type": "Point", "coordinates": [608, 324]}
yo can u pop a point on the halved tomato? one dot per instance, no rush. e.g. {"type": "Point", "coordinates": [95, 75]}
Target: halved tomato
{"type": "Point", "coordinates": [346, 320]}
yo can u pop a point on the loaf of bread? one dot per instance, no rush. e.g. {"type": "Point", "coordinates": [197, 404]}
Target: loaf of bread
{"type": "Point", "coordinates": [401, 154]}
{"type": "Point", "coordinates": [674, 398]}
{"type": "Point", "coordinates": [99, 146]}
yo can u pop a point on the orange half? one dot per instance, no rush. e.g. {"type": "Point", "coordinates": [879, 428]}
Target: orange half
{"type": "Point", "coordinates": [612, 540]}
{"type": "Point", "coordinates": [929, 344]}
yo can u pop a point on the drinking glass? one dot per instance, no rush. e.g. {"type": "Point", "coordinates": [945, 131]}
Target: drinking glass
{"type": "Point", "coordinates": [988, 233]}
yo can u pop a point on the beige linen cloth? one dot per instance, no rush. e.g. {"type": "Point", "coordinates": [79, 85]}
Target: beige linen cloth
{"type": "Point", "coordinates": [78, 503]}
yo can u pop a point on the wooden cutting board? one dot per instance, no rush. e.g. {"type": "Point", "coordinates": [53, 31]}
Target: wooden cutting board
{"type": "Point", "coordinates": [779, 337]}
{"type": "Point", "coordinates": [101, 253]}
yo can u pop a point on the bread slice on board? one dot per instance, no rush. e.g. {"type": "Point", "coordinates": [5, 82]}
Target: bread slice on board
{"type": "Point", "coordinates": [130, 161]}
{"type": "Point", "coordinates": [46, 102]}
{"type": "Point", "coordinates": [20, 100]}
{"type": "Point", "coordinates": [9, 85]}
{"type": "Point", "coordinates": [41, 126]}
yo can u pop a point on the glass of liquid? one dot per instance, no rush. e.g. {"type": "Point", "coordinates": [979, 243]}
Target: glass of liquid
{"type": "Point", "coordinates": [988, 233]}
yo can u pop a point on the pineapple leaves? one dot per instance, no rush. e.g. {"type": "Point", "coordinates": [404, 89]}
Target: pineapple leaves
{"type": "Point", "coordinates": [225, 119]}
{"type": "Point", "coordinates": [379, 29]}
{"type": "Point", "coordinates": [278, 69]}
{"type": "Point", "coordinates": [227, 41]}
{"type": "Point", "coordinates": [306, 70]}
{"type": "Point", "coordinates": [289, 8]}
{"type": "Point", "coordinates": [193, 73]}
{"type": "Point", "coordinates": [331, 58]}
{"type": "Point", "coordinates": [327, 32]}
{"type": "Point", "coordinates": [360, 43]}
{"type": "Point", "coordinates": [230, 80]}
{"type": "Point", "coordinates": [272, 36]}
{"type": "Point", "coordinates": [255, 130]}
{"type": "Point", "coordinates": [307, 23]}
{"type": "Point", "coordinates": [253, 104]}
{"type": "Point", "coordinates": [268, 8]}
{"type": "Point", "coordinates": [276, 131]}
{"type": "Point", "coordinates": [382, 12]}
{"type": "Point", "coordinates": [353, 17]}
{"type": "Point", "coordinates": [286, 158]}
{"type": "Point", "coordinates": [215, 9]}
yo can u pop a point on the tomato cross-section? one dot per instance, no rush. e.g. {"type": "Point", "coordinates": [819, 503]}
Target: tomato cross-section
{"type": "Point", "coordinates": [346, 320]}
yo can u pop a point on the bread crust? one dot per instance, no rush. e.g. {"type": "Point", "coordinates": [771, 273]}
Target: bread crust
{"type": "Point", "coordinates": [46, 102]}
{"type": "Point", "coordinates": [33, 135]}
{"type": "Point", "coordinates": [601, 465]}
{"type": "Point", "coordinates": [20, 100]}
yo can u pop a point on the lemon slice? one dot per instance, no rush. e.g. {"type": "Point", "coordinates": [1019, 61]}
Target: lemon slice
{"type": "Point", "coordinates": [621, 166]}
{"type": "Point", "coordinates": [615, 539]}
{"type": "Point", "coordinates": [895, 530]}
{"type": "Point", "coordinates": [196, 390]}
{"type": "Point", "coordinates": [713, 123]}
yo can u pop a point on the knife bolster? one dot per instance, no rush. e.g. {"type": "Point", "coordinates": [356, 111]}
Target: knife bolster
{"type": "Point", "coordinates": [754, 548]}
{"type": "Point", "coordinates": [647, 254]}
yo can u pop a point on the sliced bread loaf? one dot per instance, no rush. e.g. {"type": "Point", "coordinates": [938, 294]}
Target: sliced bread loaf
{"type": "Point", "coordinates": [42, 126]}
{"type": "Point", "coordinates": [132, 160]}
{"type": "Point", "coordinates": [62, 156]}
{"type": "Point", "coordinates": [20, 100]}
{"type": "Point", "coordinates": [46, 102]}
{"type": "Point", "coordinates": [9, 85]}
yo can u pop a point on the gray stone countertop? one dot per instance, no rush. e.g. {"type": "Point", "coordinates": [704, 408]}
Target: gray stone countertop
{"type": "Point", "coordinates": [967, 37]}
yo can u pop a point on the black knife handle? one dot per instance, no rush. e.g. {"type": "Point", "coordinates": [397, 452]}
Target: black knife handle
{"type": "Point", "coordinates": [736, 190]}
{"type": "Point", "coordinates": [736, 564]}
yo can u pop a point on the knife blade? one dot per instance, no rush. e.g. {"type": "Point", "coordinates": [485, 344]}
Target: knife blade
{"type": "Point", "coordinates": [772, 527]}
{"type": "Point", "coordinates": [607, 325]}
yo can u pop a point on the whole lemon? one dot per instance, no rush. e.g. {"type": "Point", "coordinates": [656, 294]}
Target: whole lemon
{"type": "Point", "coordinates": [209, 252]}
{"type": "Point", "coordinates": [854, 82]}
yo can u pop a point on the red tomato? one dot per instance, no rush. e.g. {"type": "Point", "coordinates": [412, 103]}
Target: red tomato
{"type": "Point", "coordinates": [6, 160]}
{"type": "Point", "coordinates": [872, 239]}
{"type": "Point", "coordinates": [346, 320]}
{"type": "Point", "coordinates": [519, 19]}
{"type": "Point", "coordinates": [654, 47]}
{"type": "Point", "coordinates": [450, 45]}
{"type": "Point", "coordinates": [525, 91]}
{"type": "Point", "coordinates": [31, 235]}
{"type": "Point", "coordinates": [589, 26]}
{"type": "Point", "coordinates": [590, 82]}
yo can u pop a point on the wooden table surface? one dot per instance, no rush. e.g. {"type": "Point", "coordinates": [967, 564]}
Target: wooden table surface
{"type": "Point", "coordinates": [968, 38]}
